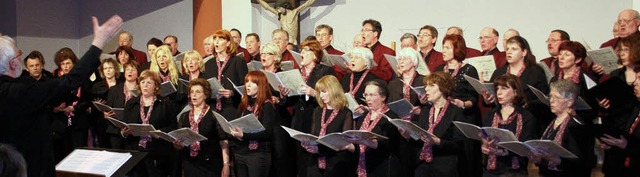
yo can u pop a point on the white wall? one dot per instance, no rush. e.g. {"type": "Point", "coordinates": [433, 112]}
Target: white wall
{"type": "Point", "coordinates": [238, 16]}
{"type": "Point", "coordinates": [588, 20]}
{"type": "Point", "coordinates": [176, 19]}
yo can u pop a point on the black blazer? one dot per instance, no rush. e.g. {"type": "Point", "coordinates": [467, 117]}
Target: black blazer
{"type": "Point", "coordinates": [235, 70]}
{"type": "Point", "coordinates": [380, 155]}
{"type": "Point", "coordinates": [528, 132]}
{"type": "Point", "coordinates": [346, 80]}
{"type": "Point", "coordinates": [209, 149]}
{"type": "Point", "coordinates": [578, 139]}
{"type": "Point", "coordinates": [303, 109]}
{"type": "Point", "coordinates": [445, 154]}
{"type": "Point", "coordinates": [163, 118]}
{"type": "Point", "coordinates": [396, 91]}
{"type": "Point", "coordinates": [620, 123]}
{"type": "Point", "coordinates": [339, 162]}
{"type": "Point", "coordinates": [267, 118]}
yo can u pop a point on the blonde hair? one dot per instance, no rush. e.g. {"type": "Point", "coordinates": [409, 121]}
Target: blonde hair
{"type": "Point", "coordinates": [331, 84]}
{"type": "Point", "coordinates": [196, 56]}
{"type": "Point", "coordinates": [273, 49]}
{"type": "Point", "coordinates": [173, 69]}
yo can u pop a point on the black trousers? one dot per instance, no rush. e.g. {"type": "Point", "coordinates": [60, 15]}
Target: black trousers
{"type": "Point", "coordinates": [160, 166]}
{"type": "Point", "coordinates": [252, 164]}
{"type": "Point", "coordinates": [193, 168]}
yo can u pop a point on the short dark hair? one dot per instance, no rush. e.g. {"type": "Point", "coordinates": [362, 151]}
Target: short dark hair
{"type": "Point", "coordinates": [511, 81]}
{"type": "Point", "coordinates": [254, 35]}
{"type": "Point", "coordinates": [563, 34]}
{"type": "Point", "coordinates": [377, 27]}
{"type": "Point", "coordinates": [433, 30]}
{"type": "Point", "coordinates": [12, 163]}
{"type": "Point", "coordinates": [206, 88]}
{"type": "Point", "coordinates": [382, 87]}
{"type": "Point", "coordinates": [236, 30]}
{"type": "Point", "coordinates": [34, 55]}
{"type": "Point", "coordinates": [576, 48]}
{"type": "Point", "coordinates": [324, 26]}
{"type": "Point", "coordinates": [155, 41]}
{"type": "Point", "coordinates": [172, 36]}
{"type": "Point", "coordinates": [459, 46]}
{"type": "Point", "coordinates": [127, 50]}
{"type": "Point", "coordinates": [63, 54]}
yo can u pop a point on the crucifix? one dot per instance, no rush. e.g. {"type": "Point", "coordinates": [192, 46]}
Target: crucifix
{"type": "Point", "coordinates": [288, 16]}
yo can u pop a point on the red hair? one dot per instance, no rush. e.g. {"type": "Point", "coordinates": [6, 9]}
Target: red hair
{"type": "Point", "coordinates": [263, 95]}
{"type": "Point", "coordinates": [224, 34]}
{"type": "Point", "coordinates": [458, 44]}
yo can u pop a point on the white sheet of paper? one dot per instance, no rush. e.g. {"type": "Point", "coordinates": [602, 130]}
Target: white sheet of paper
{"type": "Point", "coordinates": [485, 65]}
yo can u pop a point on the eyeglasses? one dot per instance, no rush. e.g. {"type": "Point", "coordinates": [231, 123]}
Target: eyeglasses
{"type": "Point", "coordinates": [424, 35]}
{"type": "Point", "coordinates": [552, 40]}
{"type": "Point", "coordinates": [625, 21]}
{"type": "Point", "coordinates": [18, 54]}
{"type": "Point", "coordinates": [366, 30]}
{"type": "Point", "coordinates": [267, 54]}
{"type": "Point", "coordinates": [484, 37]}
{"type": "Point", "coordinates": [369, 95]}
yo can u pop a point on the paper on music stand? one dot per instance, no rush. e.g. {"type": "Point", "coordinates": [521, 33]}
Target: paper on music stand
{"type": "Point", "coordinates": [478, 86]}
{"type": "Point", "coordinates": [605, 57]}
{"type": "Point", "coordinates": [402, 107]}
{"type": "Point", "coordinates": [167, 88]}
{"type": "Point", "coordinates": [472, 131]}
{"type": "Point", "coordinates": [287, 65]}
{"type": "Point", "coordinates": [255, 66]}
{"type": "Point", "coordinates": [528, 147]}
{"type": "Point", "coordinates": [93, 162]}
{"type": "Point", "coordinates": [185, 135]}
{"type": "Point", "coordinates": [215, 86]}
{"type": "Point", "coordinates": [547, 71]}
{"type": "Point", "coordinates": [291, 79]}
{"type": "Point", "coordinates": [485, 65]}
{"type": "Point", "coordinates": [541, 96]}
{"type": "Point", "coordinates": [248, 123]}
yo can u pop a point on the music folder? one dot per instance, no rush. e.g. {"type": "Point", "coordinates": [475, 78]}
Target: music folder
{"type": "Point", "coordinates": [98, 162]}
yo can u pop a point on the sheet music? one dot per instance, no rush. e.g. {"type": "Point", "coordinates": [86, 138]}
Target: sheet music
{"type": "Point", "coordinates": [402, 107]}
{"type": "Point", "coordinates": [352, 104]}
{"type": "Point", "coordinates": [186, 109]}
{"type": "Point", "coordinates": [296, 56]}
{"type": "Point", "coordinates": [118, 113]}
{"type": "Point", "coordinates": [527, 148]}
{"type": "Point", "coordinates": [605, 57]}
{"type": "Point", "coordinates": [590, 83]}
{"type": "Point", "coordinates": [287, 65]}
{"type": "Point", "coordinates": [255, 66]}
{"type": "Point", "coordinates": [140, 129]}
{"type": "Point", "coordinates": [215, 86]}
{"type": "Point", "coordinates": [393, 61]}
{"type": "Point", "coordinates": [116, 122]}
{"type": "Point", "coordinates": [472, 131]}
{"type": "Point", "coordinates": [105, 56]}
{"type": "Point", "coordinates": [248, 123]}
{"type": "Point", "coordinates": [541, 96]}
{"type": "Point", "coordinates": [547, 71]}
{"type": "Point", "coordinates": [339, 60]}
{"type": "Point", "coordinates": [205, 60]}
{"type": "Point", "coordinates": [186, 135]}
{"type": "Point", "coordinates": [478, 86]}
{"type": "Point", "coordinates": [292, 79]}
{"type": "Point", "coordinates": [93, 162]}
{"type": "Point", "coordinates": [167, 88]}
{"type": "Point", "coordinates": [485, 65]}
{"type": "Point", "coordinates": [362, 135]}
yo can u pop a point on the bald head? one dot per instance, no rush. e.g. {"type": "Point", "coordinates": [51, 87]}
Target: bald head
{"type": "Point", "coordinates": [454, 30]}
{"type": "Point", "coordinates": [628, 21]}
{"type": "Point", "coordinates": [507, 35]}
{"type": "Point", "coordinates": [488, 38]}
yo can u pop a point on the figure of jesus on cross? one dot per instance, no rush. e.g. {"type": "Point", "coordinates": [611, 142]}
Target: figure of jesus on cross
{"type": "Point", "coordinates": [288, 17]}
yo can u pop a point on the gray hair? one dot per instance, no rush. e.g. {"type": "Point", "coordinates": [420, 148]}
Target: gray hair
{"type": "Point", "coordinates": [411, 53]}
{"type": "Point", "coordinates": [409, 35]}
{"type": "Point", "coordinates": [274, 49]}
{"type": "Point", "coordinates": [128, 34]}
{"type": "Point", "coordinates": [566, 88]}
{"type": "Point", "coordinates": [7, 52]}
{"type": "Point", "coordinates": [364, 53]}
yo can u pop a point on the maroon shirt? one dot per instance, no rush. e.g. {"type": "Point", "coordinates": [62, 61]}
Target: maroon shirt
{"type": "Point", "coordinates": [245, 53]}
{"type": "Point", "coordinates": [471, 52]}
{"type": "Point", "coordinates": [433, 59]}
{"type": "Point", "coordinates": [500, 58]}
{"type": "Point", "coordinates": [287, 56]}
{"type": "Point", "coordinates": [383, 70]}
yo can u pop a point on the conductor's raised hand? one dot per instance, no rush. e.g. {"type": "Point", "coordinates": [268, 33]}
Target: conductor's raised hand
{"type": "Point", "coordinates": [103, 33]}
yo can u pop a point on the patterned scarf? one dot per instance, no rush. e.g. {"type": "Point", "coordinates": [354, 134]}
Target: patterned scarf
{"type": "Point", "coordinates": [497, 121]}
{"type": "Point", "coordinates": [368, 125]}
{"type": "Point", "coordinates": [195, 126]}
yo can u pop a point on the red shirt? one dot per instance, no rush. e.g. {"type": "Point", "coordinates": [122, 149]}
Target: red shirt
{"type": "Point", "coordinates": [245, 53]}
{"type": "Point", "coordinates": [433, 59]}
{"type": "Point", "coordinates": [287, 56]}
{"type": "Point", "coordinates": [383, 70]}
{"type": "Point", "coordinates": [500, 58]}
